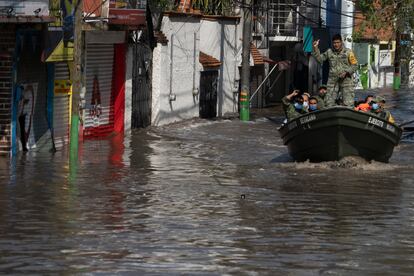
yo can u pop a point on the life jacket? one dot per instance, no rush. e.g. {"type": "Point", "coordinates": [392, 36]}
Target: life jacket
{"type": "Point", "coordinates": [365, 107]}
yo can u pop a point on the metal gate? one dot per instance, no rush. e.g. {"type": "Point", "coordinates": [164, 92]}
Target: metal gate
{"type": "Point", "coordinates": [141, 86]}
{"type": "Point", "coordinates": [99, 118]}
{"type": "Point", "coordinates": [208, 94]}
{"type": "Point", "coordinates": [256, 78]}
{"type": "Point", "coordinates": [61, 108]}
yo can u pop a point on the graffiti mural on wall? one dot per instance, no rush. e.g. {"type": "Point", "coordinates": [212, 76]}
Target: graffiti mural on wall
{"type": "Point", "coordinates": [96, 110]}
{"type": "Point", "coordinates": [25, 112]}
{"type": "Point", "coordinates": [30, 85]}
{"type": "Point", "coordinates": [59, 42]}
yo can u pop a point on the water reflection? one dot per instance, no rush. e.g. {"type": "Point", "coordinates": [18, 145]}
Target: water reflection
{"type": "Point", "coordinates": [168, 201]}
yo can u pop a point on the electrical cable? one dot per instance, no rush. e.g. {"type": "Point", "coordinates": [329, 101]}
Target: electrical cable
{"type": "Point", "coordinates": [292, 7]}
{"type": "Point", "coordinates": [89, 14]}
{"type": "Point", "coordinates": [333, 11]}
{"type": "Point", "coordinates": [313, 21]}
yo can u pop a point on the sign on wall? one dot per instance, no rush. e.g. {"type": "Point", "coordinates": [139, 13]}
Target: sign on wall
{"type": "Point", "coordinates": [95, 8]}
{"type": "Point", "coordinates": [385, 58]}
{"type": "Point", "coordinates": [122, 13]}
{"type": "Point", "coordinates": [62, 87]}
{"type": "Point", "coordinates": [61, 53]}
{"type": "Point", "coordinates": [24, 8]}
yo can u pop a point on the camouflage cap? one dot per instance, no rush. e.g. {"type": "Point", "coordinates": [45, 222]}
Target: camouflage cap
{"type": "Point", "coordinates": [379, 99]}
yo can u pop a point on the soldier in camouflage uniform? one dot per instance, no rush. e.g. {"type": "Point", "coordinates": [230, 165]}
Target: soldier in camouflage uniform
{"type": "Point", "coordinates": [293, 105]}
{"type": "Point", "coordinates": [342, 65]}
{"type": "Point", "coordinates": [321, 97]}
{"type": "Point", "coordinates": [378, 108]}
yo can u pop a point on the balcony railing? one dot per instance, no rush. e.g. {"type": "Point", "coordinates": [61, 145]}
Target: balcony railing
{"type": "Point", "coordinates": [284, 19]}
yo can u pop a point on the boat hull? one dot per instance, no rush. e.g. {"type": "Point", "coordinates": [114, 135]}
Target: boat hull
{"type": "Point", "coordinates": [338, 132]}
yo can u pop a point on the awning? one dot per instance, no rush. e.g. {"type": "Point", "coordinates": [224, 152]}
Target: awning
{"type": "Point", "coordinates": [208, 61]}
{"type": "Point", "coordinates": [256, 57]}
{"type": "Point", "coordinates": [55, 50]}
{"type": "Point", "coordinates": [160, 37]}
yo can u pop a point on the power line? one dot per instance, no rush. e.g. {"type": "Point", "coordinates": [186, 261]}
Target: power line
{"type": "Point", "coordinates": [333, 11]}
{"type": "Point", "coordinates": [89, 14]}
{"type": "Point", "coordinates": [293, 8]}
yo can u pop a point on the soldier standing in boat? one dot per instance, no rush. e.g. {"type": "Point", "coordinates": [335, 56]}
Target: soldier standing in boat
{"type": "Point", "coordinates": [342, 65]}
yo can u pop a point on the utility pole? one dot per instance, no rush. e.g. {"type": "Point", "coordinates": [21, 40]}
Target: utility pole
{"type": "Point", "coordinates": [245, 73]}
{"type": "Point", "coordinates": [397, 57]}
{"type": "Point", "coordinates": [76, 81]}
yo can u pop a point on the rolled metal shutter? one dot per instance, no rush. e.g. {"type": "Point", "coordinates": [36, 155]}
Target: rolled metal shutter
{"type": "Point", "coordinates": [61, 108]}
{"type": "Point", "coordinates": [99, 63]}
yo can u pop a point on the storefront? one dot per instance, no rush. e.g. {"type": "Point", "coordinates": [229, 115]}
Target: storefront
{"type": "Point", "coordinates": [61, 104]}
{"type": "Point", "coordinates": [30, 119]}
{"type": "Point", "coordinates": [105, 83]}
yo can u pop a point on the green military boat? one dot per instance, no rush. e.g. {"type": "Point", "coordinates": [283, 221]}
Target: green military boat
{"type": "Point", "coordinates": [337, 132]}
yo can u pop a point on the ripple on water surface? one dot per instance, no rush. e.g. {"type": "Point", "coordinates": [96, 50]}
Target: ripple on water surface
{"type": "Point", "coordinates": [206, 198]}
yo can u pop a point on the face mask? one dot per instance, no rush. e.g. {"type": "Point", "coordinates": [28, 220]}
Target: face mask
{"type": "Point", "coordinates": [313, 107]}
{"type": "Point", "coordinates": [375, 106]}
{"type": "Point", "coordinates": [298, 106]}
{"type": "Point", "coordinates": [305, 104]}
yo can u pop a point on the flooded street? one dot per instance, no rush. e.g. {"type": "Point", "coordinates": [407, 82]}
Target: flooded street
{"type": "Point", "coordinates": [208, 198]}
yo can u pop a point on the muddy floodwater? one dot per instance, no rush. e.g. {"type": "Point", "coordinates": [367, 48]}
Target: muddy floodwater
{"type": "Point", "coordinates": [205, 197]}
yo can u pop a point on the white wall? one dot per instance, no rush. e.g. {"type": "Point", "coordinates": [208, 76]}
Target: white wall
{"type": "Point", "coordinates": [128, 90]}
{"type": "Point", "coordinates": [180, 34]}
{"type": "Point", "coordinates": [213, 37]}
{"type": "Point", "coordinates": [221, 39]}
{"type": "Point", "coordinates": [374, 78]}
{"type": "Point", "coordinates": [347, 8]}
{"type": "Point", "coordinates": [157, 84]}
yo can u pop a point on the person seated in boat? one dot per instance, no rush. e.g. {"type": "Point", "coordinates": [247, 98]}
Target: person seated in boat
{"type": "Point", "coordinates": [357, 102]}
{"type": "Point", "coordinates": [306, 97]}
{"type": "Point", "coordinates": [365, 106]}
{"type": "Point", "coordinates": [378, 108]}
{"type": "Point", "coordinates": [321, 96]}
{"type": "Point", "coordinates": [293, 105]}
{"type": "Point", "coordinates": [313, 104]}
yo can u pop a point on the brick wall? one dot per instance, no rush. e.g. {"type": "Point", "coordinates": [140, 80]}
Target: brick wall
{"type": "Point", "coordinates": [7, 43]}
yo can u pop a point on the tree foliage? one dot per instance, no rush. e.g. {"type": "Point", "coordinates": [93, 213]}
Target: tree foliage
{"type": "Point", "coordinates": [380, 14]}
{"type": "Point", "coordinates": [213, 7]}
{"type": "Point", "coordinates": [209, 7]}
{"type": "Point", "coordinates": [399, 16]}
